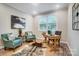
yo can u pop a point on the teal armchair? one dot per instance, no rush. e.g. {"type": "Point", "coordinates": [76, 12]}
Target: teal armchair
{"type": "Point", "coordinates": [29, 36]}
{"type": "Point", "coordinates": [10, 43]}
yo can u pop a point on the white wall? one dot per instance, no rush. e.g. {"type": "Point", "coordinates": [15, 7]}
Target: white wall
{"type": "Point", "coordinates": [62, 22]}
{"type": "Point", "coordinates": [61, 16]}
{"type": "Point", "coordinates": [5, 19]}
{"type": "Point", "coordinates": [73, 35]}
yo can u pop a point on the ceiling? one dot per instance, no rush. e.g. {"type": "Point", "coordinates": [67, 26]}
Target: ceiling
{"type": "Point", "coordinates": [36, 8]}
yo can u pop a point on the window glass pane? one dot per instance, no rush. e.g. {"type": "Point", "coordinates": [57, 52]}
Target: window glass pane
{"type": "Point", "coordinates": [43, 27]}
{"type": "Point", "coordinates": [43, 20]}
{"type": "Point", "coordinates": [43, 23]}
{"type": "Point", "coordinates": [52, 23]}
{"type": "Point", "coordinates": [51, 19]}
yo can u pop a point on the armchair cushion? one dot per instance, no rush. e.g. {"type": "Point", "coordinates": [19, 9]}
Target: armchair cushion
{"type": "Point", "coordinates": [30, 33]}
{"type": "Point", "coordinates": [16, 42]}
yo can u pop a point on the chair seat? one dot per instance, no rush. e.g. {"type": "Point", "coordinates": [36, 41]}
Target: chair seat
{"type": "Point", "coordinates": [16, 42]}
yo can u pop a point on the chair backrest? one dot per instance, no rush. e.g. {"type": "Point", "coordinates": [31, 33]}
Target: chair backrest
{"type": "Point", "coordinates": [58, 32]}
{"type": "Point", "coordinates": [26, 33]}
{"type": "Point", "coordinates": [4, 37]}
{"type": "Point", "coordinates": [29, 33]}
{"type": "Point", "coordinates": [49, 32]}
{"type": "Point", "coordinates": [44, 34]}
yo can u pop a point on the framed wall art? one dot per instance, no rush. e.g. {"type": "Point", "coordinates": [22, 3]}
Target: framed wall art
{"type": "Point", "coordinates": [75, 16]}
{"type": "Point", "coordinates": [17, 22]}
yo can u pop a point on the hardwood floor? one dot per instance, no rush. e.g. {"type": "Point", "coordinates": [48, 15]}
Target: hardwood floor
{"type": "Point", "coordinates": [46, 51]}
{"type": "Point", "coordinates": [9, 52]}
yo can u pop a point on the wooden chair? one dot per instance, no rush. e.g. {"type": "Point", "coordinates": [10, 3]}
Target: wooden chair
{"type": "Point", "coordinates": [54, 42]}
{"type": "Point", "coordinates": [58, 32]}
{"type": "Point", "coordinates": [45, 36]}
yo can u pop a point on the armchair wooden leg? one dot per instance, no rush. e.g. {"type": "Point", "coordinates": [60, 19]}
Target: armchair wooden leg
{"type": "Point", "coordinates": [21, 44]}
{"type": "Point", "coordinates": [59, 43]}
{"type": "Point", "coordinates": [13, 49]}
{"type": "Point", "coordinates": [4, 48]}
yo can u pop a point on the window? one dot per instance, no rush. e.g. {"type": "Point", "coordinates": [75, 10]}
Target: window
{"type": "Point", "coordinates": [47, 23]}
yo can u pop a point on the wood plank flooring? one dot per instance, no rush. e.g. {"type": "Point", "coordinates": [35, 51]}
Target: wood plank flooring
{"type": "Point", "coordinates": [46, 50]}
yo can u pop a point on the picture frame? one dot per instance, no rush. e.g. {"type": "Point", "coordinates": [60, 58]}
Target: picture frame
{"type": "Point", "coordinates": [75, 16]}
{"type": "Point", "coordinates": [17, 22]}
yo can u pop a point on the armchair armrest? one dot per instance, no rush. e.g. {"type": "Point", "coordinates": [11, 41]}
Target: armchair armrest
{"type": "Point", "coordinates": [17, 38]}
{"type": "Point", "coordinates": [8, 41]}
{"type": "Point", "coordinates": [34, 35]}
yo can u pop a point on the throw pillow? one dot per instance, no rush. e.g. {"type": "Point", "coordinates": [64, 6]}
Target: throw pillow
{"type": "Point", "coordinates": [30, 33]}
{"type": "Point", "coordinates": [11, 37]}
